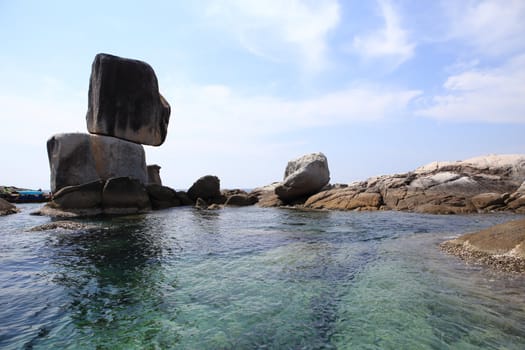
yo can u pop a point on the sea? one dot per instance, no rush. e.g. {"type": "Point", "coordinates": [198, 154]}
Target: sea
{"type": "Point", "coordinates": [253, 278]}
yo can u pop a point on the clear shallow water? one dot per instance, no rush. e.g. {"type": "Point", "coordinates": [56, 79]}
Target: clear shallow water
{"type": "Point", "coordinates": [253, 278]}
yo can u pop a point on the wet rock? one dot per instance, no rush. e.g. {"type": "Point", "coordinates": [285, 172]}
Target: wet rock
{"type": "Point", "coordinates": [124, 101]}
{"type": "Point", "coordinates": [64, 225]}
{"type": "Point", "coordinates": [501, 246]}
{"type": "Point", "coordinates": [7, 208]}
{"type": "Point", "coordinates": [303, 177]}
{"type": "Point", "coordinates": [76, 159]}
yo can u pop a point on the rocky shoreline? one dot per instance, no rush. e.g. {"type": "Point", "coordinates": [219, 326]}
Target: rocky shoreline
{"type": "Point", "coordinates": [501, 247]}
{"type": "Point", "coordinates": [104, 171]}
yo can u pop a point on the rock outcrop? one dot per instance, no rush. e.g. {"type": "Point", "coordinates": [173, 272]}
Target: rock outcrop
{"type": "Point", "coordinates": [501, 246]}
{"type": "Point", "coordinates": [76, 159]}
{"type": "Point", "coordinates": [105, 172]}
{"type": "Point", "coordinates": [154, 174]}
{"type": "Point", "coordinates": [303, 177]}
{"type": "Point", "coordinates": [208, 189]}
{"type": "Point", "coordinates": [475, 185]}
{"type": "Point", "coordinates": [119, 195]}
{"type": "Point", "coordinates": [124, 101]}
{"type": "Point", "coordinates": [7, 208]}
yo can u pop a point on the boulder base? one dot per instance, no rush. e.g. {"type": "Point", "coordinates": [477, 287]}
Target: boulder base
{"type": "Point", "coordinates": [7, 208]}
{"type": "Point", "coordinates": [76, 159]}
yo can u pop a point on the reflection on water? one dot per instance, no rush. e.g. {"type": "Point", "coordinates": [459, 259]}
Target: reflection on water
{"type": "Point", "coordinates": [248, 278]}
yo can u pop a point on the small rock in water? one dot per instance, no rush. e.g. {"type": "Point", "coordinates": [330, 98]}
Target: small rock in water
{"type": "Point", "coordinates": [64, 225]}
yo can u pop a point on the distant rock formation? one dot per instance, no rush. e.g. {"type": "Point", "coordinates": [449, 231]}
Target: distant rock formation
{"type": "Point", "coordinates": [501, 246]}
{"type": "Point", "coordinates": [7, 208]}
{"type": "Point", "coordinates": [124, 101]}
{"type": "Point", "coordinates": [480, 184]}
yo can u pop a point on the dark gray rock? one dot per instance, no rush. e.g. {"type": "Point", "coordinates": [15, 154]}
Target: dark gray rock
{"type": "Point", "coordinates": [125, 195]}
{"type": "Point", "coordinates": [124, 101]}
{"type": "Point", "coordinates": [76, 159]}
{"type": "Point", "coordinates": [207, 188]}
{"type": "Point", "coordinates": [154, 174]}
{"type": "Point", "coordinates": [85, 196]}
{"type": "Point", "coordinates": [162, 197]}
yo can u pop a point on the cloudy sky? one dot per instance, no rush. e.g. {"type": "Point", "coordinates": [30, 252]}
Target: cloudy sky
{"type": "Point", "coordinates": [378, 86]}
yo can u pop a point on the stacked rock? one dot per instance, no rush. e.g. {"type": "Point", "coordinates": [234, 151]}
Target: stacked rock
{"type": "Point", "coordinates": [105, 171]}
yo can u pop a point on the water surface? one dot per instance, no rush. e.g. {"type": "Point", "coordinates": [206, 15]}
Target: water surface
{"type": "Point", "coordinates": [253, 278]}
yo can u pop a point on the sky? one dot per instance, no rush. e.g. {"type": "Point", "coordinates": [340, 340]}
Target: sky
{"type": "Point", "coordinates": [379, 87]}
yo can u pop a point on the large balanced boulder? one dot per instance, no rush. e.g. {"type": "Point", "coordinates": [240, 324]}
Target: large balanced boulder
{"type": "Point", "coordinates": [76, 159]}
{"type": "Point", "coordinates": [479, 184]}
{"type": "Point", "coordinates": [304, 177]}
{"type": "Point", "coordinates": [124, 101]}
{"type": "Point", "coordinates": [207, 188]}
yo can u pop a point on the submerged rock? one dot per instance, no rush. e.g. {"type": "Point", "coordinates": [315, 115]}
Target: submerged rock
{"type": "Point", "coordinates": [124, 101]}
{"type": "Point", "coordinates": [64, 225]}
{"type": "Point", "coordinates": [76, 159]}
{"type": "Point", "coordinates": [501, 246]}
{"type": "Point", "coordinates": [304, 177]}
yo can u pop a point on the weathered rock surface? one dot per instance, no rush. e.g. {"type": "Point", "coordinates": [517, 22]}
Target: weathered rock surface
{"type": "Point", "coordinates": [206, 188]}
{"type": "Point", "coordinates": [240, 200]}
{"type": "Point", "coordinates": [125, 195]}
{"type": "Point", "coordinates": [85, 196]}
{"type": "Point", "coordinates": [266, 197]}
{"type": "Point", "coordinates": [63, 225]}
{"type": "Point", "coordinates": [121, 195]}
{"type": "Point", "coordinates": [303, 177]}
{"type": "Point", "coordinates": [162, 197]}
{"type": "Point", "coordinates": [154, 174]}
{"type": "Point", "coordinates": [76, 159]}
{"type": "Point", "coordinates": [501, 246]}
{"type": "Point", "coordinates": [124, 101]}
{"type": "Point", "coordinates": [475, 185]}
{"type": "Point", "coordinates": [7, 208]}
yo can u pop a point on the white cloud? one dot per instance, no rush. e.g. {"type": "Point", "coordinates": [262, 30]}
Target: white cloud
{"type": "Point", "coordinates": [280, 30]}
{"type": "Point", "coordinates": [492, 27]}
{"type": "Point", "coordinates": [391, 41]}
{"type": "Point", "coordinates": [489, 95]}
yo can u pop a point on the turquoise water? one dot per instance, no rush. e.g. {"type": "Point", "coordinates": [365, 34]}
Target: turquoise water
{"type": "Point", "coordinates": [253, 278]}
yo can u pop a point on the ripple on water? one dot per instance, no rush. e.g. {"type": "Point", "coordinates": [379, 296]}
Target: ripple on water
{"type": "Point", "coordinates": [253, 278]}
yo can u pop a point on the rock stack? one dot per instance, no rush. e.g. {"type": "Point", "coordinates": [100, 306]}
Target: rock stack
{"type": "Point", "coordinates": [105, 172]}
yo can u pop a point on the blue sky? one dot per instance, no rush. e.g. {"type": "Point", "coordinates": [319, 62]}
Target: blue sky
{"type": "Point", "coordinates": [378, 86]}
